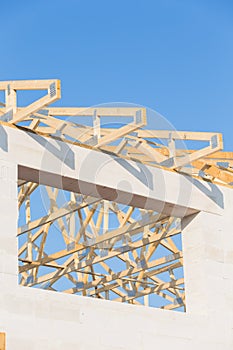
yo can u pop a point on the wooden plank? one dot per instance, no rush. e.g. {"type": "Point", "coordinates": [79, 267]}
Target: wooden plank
{"type": "Point", "coordinates": [27, 84]}
{"type": "Point", "coordinates": [113, 253]}
{"type": "Point", "coordinates": [152, 153]}
{"type": "Point", "coordinates": [150, 290]}
{"type": "Point", "coordinates": [204, 152]}
{"type": "Point", "coordinates": [11, 99]}
{"type": "Point", "coordinates": [128, 272]}
{"type": "Point", "coordinates": [146, 274]}
{"type": "Point", "coordinates": [132, 229]}
{"type": "Point", "coordinates": [86, 111]}
{"type": "Point", "coordinates": [177, 135]}
{"type": "Point", "coordinates": [60, 212]}
{"type": "Point", "coordinates": [214, 171]}
{"type": "Point", "coordinates": [118, 133]}
{"type": "Point", "coordinates": [2, 341]}
{"type": "Point", "coordinates": [38, 104]}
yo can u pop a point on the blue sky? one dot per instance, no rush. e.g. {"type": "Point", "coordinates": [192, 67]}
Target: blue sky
{"type": "Point", "coordinates": [175, 56]}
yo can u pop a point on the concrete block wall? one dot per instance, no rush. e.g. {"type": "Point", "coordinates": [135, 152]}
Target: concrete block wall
{"type": "Point", "coordinates": [36, 319]}
{"type": "Point", "coordinates": [8, 224]}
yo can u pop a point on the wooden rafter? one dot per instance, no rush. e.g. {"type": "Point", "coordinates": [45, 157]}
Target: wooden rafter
{"type": "Point", "coordinates": [132, 140]}
{"type": "Point", "coordinates": [94, 247]}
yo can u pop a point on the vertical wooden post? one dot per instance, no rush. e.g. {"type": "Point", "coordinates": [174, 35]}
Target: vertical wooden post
{"type": "Point", "coordinates": [11, 99]}
{"type": "Point", "coordinates": [96, 126]}
{"type": "Point", "coordinates": [2, 341]}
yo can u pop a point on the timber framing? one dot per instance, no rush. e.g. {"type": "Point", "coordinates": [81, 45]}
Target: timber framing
{"type": "Point", "coordinates": [91, 246]}
{"type": "Point", "coordinates": [106, 251]}
{"type": "Point", "coordinates": [132, 140]}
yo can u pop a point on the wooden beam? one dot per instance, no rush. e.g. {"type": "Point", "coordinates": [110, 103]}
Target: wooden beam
{"type": "Point", "coordinates": [2, 341]}
{"type": "Point", "coordinates": [133, 229]}
{"type": "Point", "coordinates": [54, 94]}
{"type": "Point", "coordinates": [177, 135]}
{"type": "Point", "coordinates": [98, 259]}
{"type": "Point", "coordinates": [214, 171]}
{"type": "Point", "coordinates": [128, 272]}
{"type": "Point", "coordinates": [27, 84]}
{"type": "Point", "coordinates": [150, 290]}
{"type": "Point", "coordinates": [60, 212]}
{"type": "Point", "coordinates": [89, 112]}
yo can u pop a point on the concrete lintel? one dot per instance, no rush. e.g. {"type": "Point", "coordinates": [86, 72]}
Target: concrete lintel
{"type": "Point", "coordinates": [91, 172]}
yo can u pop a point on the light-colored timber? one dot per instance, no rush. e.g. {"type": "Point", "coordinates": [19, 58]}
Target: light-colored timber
{"type": "Point", "coordinates": [96, 235]}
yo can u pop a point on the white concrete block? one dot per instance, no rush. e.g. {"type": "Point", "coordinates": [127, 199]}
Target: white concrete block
{"type": "Point", "coordinates": [36, 319]}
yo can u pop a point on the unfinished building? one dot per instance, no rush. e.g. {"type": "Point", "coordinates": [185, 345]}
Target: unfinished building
{"type": "Point", "coordinates": [105, 212]}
